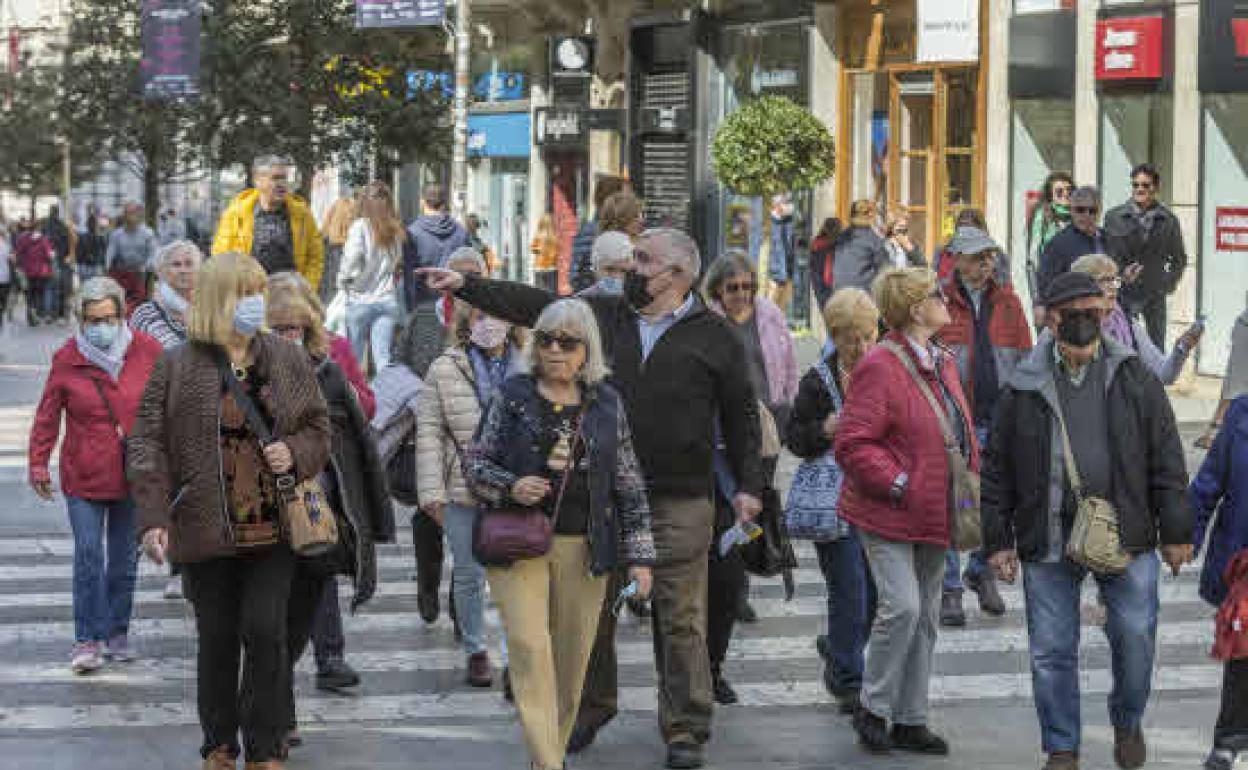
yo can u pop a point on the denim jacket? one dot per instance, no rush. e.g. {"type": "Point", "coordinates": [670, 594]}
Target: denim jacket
{"type": "Point", "coordinates": [506, 449]}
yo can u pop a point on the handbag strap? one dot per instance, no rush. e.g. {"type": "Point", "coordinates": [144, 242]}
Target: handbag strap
{"type": "Point", "coordinates": [942, 416]}
{"type": "Point", "coordinates": [121, 433]}
{"type": "Point", "coordinates": [567, 473]}
{"type": "Point", "coordinates": [829, 382]}
{"type": "Point", "coordinates": [255, 420]}
{"type": "Point", "coordinates": [1068, 454]}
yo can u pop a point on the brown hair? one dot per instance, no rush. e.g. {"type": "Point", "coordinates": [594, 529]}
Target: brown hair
{"type": "Point", "coordinates": [377, 205]}
{"type": "Point", "coordinates": [619, 212]}
{"type": "Point", "coordinates": [338, 220]}
{"type": "Point", "coordinates": [606, 187]}
{"type": "Point", "coordinates": [289, 303]}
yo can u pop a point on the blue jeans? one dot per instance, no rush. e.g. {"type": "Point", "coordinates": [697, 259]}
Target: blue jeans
{"type": "Point", "coordinates": [468, 579]}
{"type": "Point", "coordinates": [851, 609]}
{"type": "Point", "coordinates": [372, 324]}
{"type": "Point", "coordinates": [103, 590]}
{"type": "Point", "coordinates": [1131, 604]}
{"type": "Point", "coordinates": [976, 564]}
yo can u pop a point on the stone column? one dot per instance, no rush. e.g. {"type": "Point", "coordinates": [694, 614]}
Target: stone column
{"type": "Point", "coordinates": [997, 153]}
{"type": "Point", "coordinates": [1184, 184]}
{"type": "Point", "coordinates": [1087, 104]}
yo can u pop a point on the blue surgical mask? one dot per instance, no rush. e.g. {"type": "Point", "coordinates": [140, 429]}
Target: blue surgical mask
{"type": "Point", "coordinates": [249, 315]}
{"type": "Point", "coordinates": [611, 285]}
{"type": "Point", "coordinates": [102, 336]}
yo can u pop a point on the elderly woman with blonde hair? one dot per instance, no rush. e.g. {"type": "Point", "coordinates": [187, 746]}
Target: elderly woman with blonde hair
{"type": "Point", "coordinates": [586, 478]}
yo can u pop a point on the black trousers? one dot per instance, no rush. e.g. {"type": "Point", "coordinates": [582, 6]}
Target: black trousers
{"type": "Point", "coordinates": [240, 613]}
{"type": "Point", "coordinates": [35, 309]}
{"type": "Point", "coordinates": [726, 583]}
{"type": "Point", "coordinates": [1153, 310]}
{"type": "Point", "coordinates": [313, 613]}
{"type": "Point", "coordinates": [4, 301]}
{"type": "Point", "coordinates": [1231, 731]}
{"type": "Point", "coordinates": [427, 538]}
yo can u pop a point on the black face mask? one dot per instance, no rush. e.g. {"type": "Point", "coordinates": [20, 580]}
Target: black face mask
{"type": "Point", "coordinates": [1078, 328]}
{"type": "Point", "coordinates": [636, 289]}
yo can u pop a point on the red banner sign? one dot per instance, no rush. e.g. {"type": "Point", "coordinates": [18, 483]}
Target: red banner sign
{"type": "Point", "coordinates": [1130, 48]}
{"type": "Point", "coordinates": [1239, 29]}
{"type": "Point", "coordinates": [1231, 229]}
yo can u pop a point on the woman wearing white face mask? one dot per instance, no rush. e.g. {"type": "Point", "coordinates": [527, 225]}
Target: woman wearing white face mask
{"type": "Point", "coordinates": [164, 316]}
{"type": "Point", "coordinates": [206, 493]}
{"type": "Point", "coordinates": [95, 383]}
{"type": "Point", "coordinates": [460, 384]}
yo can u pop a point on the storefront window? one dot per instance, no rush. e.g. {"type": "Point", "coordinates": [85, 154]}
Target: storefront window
{"type": "Point", "coordinates": [501, 75]}
{"type": "Point", "coordinates": [1043, 142]}
{"type": "Point", "coordinates": [1224, 222]}
{"type": "Point", "coordinates": [1136, 128]}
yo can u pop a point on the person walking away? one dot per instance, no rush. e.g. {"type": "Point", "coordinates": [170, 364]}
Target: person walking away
{"type": "Point", "coordinates": [1082, 236]}
{"type": "Point", "coordinates": [1221, 509]}
{"type": "Point", "coordinates": [206, 496]}
{"type": "Point", "coordinates": [891, 443]}
{"type": "Point", "coordinates": [36, 259]}
{"type": "Point", "coordinates": [902, 252]}
{"type": "Point", "coordinates": [821, 260]}
{"type": "Point", "coordinates": [354, 481]}
{"type": "Point", "coordinates": [272, 224]}
{"type": "Point", "coordinates": [613, 258]}
{"type": "Point", "coordinates": [92, 252]}
{"type": "Point", "coordinates": [545, 250]}
{"type": "Point", "coordinates": [8, 274]}
{"type": "Point", "coordinates": [370, 260]}
{"type": "Point", "coordinates": [164, 319]}
{"type": "Point", "coordinates": [171, 227]}
{"type": "Point", "coordinates": [859, 254]}
{"type": "Point", "coordinates": [435, 236]}
{"type": "Point", "coordinates": [460, 384]}
{"type": "Point", "coordinates": [1144, 232]}
{"type": "Point", "coordinates": [586, 478]}
{"type": "Point", "coordinates": [1050, 216]}
{"type": "Point", "coordinates": [474, 225]}
{"type": "Point", "coordinates": [676, 366]}
{"type": "Point", "coordinates": [853, 325]}
{"type": "Point", "coordinates": [95, 383]}
{"type": "Point", "coordinates": [782, 263]}
{"type": "Point", "coordinates": [338, 220]}
{"type": "Point", "coordinates": [1082, 389]}
{"type": "Point", "coordinates": [130, 255]}
{"type": "Point", "coordinates": [1131, 332]}
{"type": "Point", "coordinates": [583, 274]}
{"type": "Point", "coordinates": [989, 336]}
{"type": "Point", "coordinates": [64, 241]}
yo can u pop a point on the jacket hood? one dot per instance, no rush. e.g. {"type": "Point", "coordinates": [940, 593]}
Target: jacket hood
{"type": "Point", "coordinates": [247, 199]}
{"type": "Point", "coordinates": [1035, 372]}
{"type": "Point", "coordinates": [440, 226]}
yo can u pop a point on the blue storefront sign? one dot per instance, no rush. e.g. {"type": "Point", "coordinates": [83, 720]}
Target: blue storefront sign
{"type": "Point", "coordinates": [489, 87]}
{"type": "Point", "coordinates": [504, 135]}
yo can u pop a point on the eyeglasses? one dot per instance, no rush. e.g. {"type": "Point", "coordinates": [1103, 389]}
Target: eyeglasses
{"type": "Point", "coordinates": [286, 330]}
{"type": "Point", "coordinates": [547, 340]}
{"type": "Point", "coordinates": [1141, 185]}
{"type": "Point", "coordinates": [1086, 209]}
{"type": "Point", "coordinates": [1110, 282]}
{"type": "Point", "coordinates": [733, 287]}
{"type": "Point", "coordinates": [1062, 191]}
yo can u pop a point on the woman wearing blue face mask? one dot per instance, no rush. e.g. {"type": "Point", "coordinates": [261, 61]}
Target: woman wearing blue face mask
{"type": "Point", "coordinates": [205, 491]}
{"type": "Point", "coordinates": [95, 383]}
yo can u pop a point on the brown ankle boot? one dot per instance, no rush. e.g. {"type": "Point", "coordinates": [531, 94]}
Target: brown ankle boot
{"type": "Point", "coordinates": [220, 759]}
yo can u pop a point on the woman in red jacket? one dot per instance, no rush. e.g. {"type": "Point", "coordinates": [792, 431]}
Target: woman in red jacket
{"type": "Point", "coordinates": [891, 446]}
{"type": "Point", "coordinates": [96, 380]}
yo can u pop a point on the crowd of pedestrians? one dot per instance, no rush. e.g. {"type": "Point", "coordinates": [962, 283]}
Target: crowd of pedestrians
{"type": "Point", "coordinates": [580, 451]}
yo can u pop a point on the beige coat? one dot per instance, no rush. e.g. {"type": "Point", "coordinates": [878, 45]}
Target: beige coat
{"type": "Point", "coordinates": [448, 407]}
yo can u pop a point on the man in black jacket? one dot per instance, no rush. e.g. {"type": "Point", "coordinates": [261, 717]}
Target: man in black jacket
{"type": "Point", "coordinates": [1144, 232]}
{"type": "Point", "coordinates": [677, 366]}
{"type": "Point", "coordinates": [1082, 236]}
{"type": "Point", "coordinates": [1126, 450]}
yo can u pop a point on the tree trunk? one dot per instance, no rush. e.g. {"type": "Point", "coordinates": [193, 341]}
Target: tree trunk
{"type": "Point", "coordinates": [153, 159]}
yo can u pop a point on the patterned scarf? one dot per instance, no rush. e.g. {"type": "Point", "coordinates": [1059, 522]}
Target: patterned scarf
{"type": "Point", "coordinates": [111, 360]}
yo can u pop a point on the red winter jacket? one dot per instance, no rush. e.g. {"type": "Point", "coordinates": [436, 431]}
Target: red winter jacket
{"type": "Point", "coordinates": [1008, 331]}
{"type": "Point", "coordinates": [1231, 637]}
{"type": "Point", "coordinates": [340, 353]}
{"type": "Point", "coordinates": [91, 462]}
{"type": "Point", "coordinates": [34, 254]}
{"type": "Point", "coordinates": [887, 427]}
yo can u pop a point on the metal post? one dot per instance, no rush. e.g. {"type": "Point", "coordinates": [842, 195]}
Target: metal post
{"type": "Point", "coordinates": [459, 158]}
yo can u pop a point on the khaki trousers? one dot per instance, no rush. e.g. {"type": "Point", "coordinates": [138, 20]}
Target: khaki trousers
{"type": "Point", "coordinates": [550, 608]}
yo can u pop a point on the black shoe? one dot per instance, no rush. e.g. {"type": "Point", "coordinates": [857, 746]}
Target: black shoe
{"type": "Point", "coordinates": [872, 731]}
{"type": "Point", "coordinates": [985, 586]}
{"type": "Point", "coordinates": [508, 694]}
{"type": "Point", "coordinates": [337, 676]}
{"type": "Point", "coordinates": [427, 604]}
{"type": "Point", "coordinates": [582, 737]}
{"type": "Point", "coordinates": [1221, 759]}
{"type": "Point", "coordinates": [745, 612]}
{"type": "Point", "coordinates": [639, 606]}
{"type": "Point", "coordinates": [1130, 750]}
{"type": "Point", "coordinates": [951, 612]}
{"type": "Point", "coordinates": [919, 739]}
{"type": "Point", "coordinates": [847, 701]}
{"type": "Point", "coordinates": [824, 645]}
{"type": "Point", "coordinates": [684, 755]}
{"type": "Point", "coordinates": [724, 694]}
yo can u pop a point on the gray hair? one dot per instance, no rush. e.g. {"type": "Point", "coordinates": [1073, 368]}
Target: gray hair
{"type": "Point", "coordinates": [168, 252]}
{"type": "Point", "coordinates": [1086, 193]}
{"type": "Point", "coordinates": [99, 289]}
{"type": "Point", "coordinates": [681, 252]}
{"type": "Point", "coordinates": [468, 254]}
{"type": "Point", "coordinates": [266, 163]}
{"type": "Point", "coordinates": [574, 317]}
{"type": "Point", "coordinates": [733, 262]}
{"type": "Point", "coordinates": [611, 248]}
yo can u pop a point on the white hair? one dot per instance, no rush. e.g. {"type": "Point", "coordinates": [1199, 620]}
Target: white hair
{"type": "Point", "coordinates": [99, 289]}
{"type": "Point", "coordinates": [611, 248]}
{"type": "Point", "coordinates": [168, 252]}
{"type": "Point", "coordinates": [680, 250]}
{"type": "Point", "coordinates": [574, 317]}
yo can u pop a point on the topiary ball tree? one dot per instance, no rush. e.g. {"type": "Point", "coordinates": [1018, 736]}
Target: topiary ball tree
{"type": "Point", "coordinates": [772, 145]}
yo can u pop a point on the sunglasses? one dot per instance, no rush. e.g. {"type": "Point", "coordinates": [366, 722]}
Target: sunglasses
{"type": "Point", "coordinates": [1141, 185]}
{"type": "Point", "coordinates": [1062, 191]}
{"type": "Point", "coordinates": [547, 340]}
{"type": "Point", "coordinates": [1085, 209]}
{"type": "Point", "coordinates": [733, 287]}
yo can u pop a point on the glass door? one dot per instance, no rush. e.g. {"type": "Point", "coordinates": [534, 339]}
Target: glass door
{"type": "Point", "coordinates": [912, 181]}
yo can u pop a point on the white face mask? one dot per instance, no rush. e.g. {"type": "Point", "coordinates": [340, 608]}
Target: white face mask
{"type": "Point", "coordinates": [488, 333]}
{"type": "Point", "coordinates": [169, 297]}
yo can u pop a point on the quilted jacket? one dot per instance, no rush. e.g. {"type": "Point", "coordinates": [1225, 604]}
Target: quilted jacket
{"type": "Point", "coordinates": [448, 403]}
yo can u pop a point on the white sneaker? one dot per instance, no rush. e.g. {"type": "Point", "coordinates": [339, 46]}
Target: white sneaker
{"type": "Point", "coordinates": [86, 658]}
{"type": "Point", "coordinates": [173, 589]}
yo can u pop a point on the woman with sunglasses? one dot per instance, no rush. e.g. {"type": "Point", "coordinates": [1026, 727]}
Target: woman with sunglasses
{"type": "Point", "coordinates": [1051, 214]}
{"type": "Point", "coordinates": [1132, 332]}
{"type": "Point", "coordinates": [557, 439]}
{"type": "Point", "coordinates": [890, 443]}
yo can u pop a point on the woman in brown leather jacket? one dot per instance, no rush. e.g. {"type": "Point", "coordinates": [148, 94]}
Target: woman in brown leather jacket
{"type": "Point", "coordinates": [206, 498]}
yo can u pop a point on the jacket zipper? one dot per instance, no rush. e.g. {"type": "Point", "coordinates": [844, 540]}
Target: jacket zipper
{"type": "Point", "coordinates": [589, 488]}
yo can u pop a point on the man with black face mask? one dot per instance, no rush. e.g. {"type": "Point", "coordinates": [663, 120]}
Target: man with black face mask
{"type": "Point", "coordinates": [1126, 450]}
{"type": "Point", "coordinates": [678, 368]}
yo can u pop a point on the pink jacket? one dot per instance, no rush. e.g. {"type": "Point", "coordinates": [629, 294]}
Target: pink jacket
{"type": "Point", "coordinates": [779, 358]}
